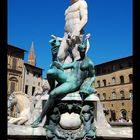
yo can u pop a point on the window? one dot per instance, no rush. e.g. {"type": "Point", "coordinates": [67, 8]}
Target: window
{"type": "Point", "coordinates": [26, 89]}
{"type": "Point", "coordinates": [108, 70]}
{"type": "Point", "coordinates": [131, 94]}
{"type": "Point", "coordinates": [113, 115]}
{"type": "Point", "coordinates": [12, 89]}
{"type": "Point", "coordinates": [130, 78]}
{"type": "Point", "coordinates": [113, 80]}
{"type": "Point", "coordinates": [113, 95]}
{"type": "Point", "coordinates": [98, 83]}
{"type": "Point", "coordinates": [104, 70]}
{"type": "Point", "coordinates": [98, 71]}
{"type": "Point", "coordinates": [121, 80]}
{"type": "Point", "coordinates": [122, 94]}
{"type": "Point", "coordinates": [124, 114]}
{"type": "Point", "coordinates": [14, 63]}
{"type": "Point", "coordinates": [104, 96]}
{"type": "Point", "coordinates": [33, 90]}
{"type": "Point", "coordinates": [121, 66]}
{"type": "Point", "coordinates": [104, 83]}
{"type": "Point", "coordinates": [113, 68]}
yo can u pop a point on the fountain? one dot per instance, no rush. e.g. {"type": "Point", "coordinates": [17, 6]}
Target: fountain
{"type": "Point", "coordinates": [70, 108]}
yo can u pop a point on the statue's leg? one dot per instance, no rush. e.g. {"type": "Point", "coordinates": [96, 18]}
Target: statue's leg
{"type": "Point", "coordinates": [51, 80]}
{"type": "Point", "coordinates": [76, 43]}
{"type": "Point", "coordinates": [62, 53]}
{"type": "Point", "coordinates": [56, 74]}
{"type": "Point", "coordinates": [58, 92]}
{"type": "Point", "coordinates": [75, 53]}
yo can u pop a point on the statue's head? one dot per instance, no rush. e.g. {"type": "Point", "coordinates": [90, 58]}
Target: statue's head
{"type": "Point", "coordinates": [56, 110]}
{"type": "Point", "coordinates": [86, 112]}
{"type": "Point", "coordinates": [55, 115]}
{"type": "Point", "coordinates": [82, 48]}
{"type": "Point", "coordinates": [73, 1]}
{"type": "Point", "coordinates": [55, 42]}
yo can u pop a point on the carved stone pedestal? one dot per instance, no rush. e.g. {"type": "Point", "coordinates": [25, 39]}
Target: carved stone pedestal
{"type": "Point", "coordinates": [72, 118]}
{"type": "Point", "coordinates": [69, 125]}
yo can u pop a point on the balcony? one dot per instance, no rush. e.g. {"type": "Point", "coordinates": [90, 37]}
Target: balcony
{"type": "Point", "coordinates": [15, 69]}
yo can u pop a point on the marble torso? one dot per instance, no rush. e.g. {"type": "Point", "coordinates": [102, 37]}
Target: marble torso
{"type": "Point", "coordinates": [72, 16]}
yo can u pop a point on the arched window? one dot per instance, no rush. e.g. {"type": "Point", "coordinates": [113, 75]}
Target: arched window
{"type": "Point", "coordinates": [113, 80]}
{"type": "Point", "coordinates": [13, 82]}
{"type": "Point", "coordinates": [130, 78]}
{"type": "Point", "coordinates": [131, 94]}
{"type": "Point", "coordinates": [12, 88]}
{"type": "Point", "coordinates": [123, 115]}
{"type": "Point", "coordinates": [98, 83]}
{"type": "Point", "coordinates": [122, 94]}
{"type": "Point", "coordinates": [121, 80]}
{"type": "Point", "coordinates": [113, 115]}
{"type": "Point", "coordinates": [104, 96]}
{"type": "Point", "coordinates": [113, 95]}
{"type": "Point", "coordinates": [104, 82]}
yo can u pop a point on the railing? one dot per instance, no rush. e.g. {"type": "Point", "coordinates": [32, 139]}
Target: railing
{"type": "Point", "coordinates": [18, 68]}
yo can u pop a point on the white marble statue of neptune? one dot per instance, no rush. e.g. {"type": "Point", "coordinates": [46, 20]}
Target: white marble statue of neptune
{"type": "Point", "coordinates": [76, 16]}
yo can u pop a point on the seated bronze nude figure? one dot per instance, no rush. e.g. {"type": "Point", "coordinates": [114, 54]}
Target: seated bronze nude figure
{"type": "Point", "coordinates": [81, 77]}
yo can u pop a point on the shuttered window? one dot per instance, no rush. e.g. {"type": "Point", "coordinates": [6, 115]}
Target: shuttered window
{"type": "Point", "coordinates": [12, 87]}
{"type": "Point", "coordinates": [14, 63]}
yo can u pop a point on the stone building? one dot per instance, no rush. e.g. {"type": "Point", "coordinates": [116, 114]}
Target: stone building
{"type": "Point", "coordinates": [32, 75]}
{"type": "Point", "coordinates": [114, 81]}
{"type": "Point", "coordinates": [15, 68]}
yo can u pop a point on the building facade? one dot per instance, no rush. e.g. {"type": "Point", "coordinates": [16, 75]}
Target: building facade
{"type": "Point", "coordinates": [32, 74]}
{"type": "Point", "coordinates": [32, 79]}
{"type": "Point", "coordinates": [114, 88]}
{"type": "Point", "coordinates": [15, 68]}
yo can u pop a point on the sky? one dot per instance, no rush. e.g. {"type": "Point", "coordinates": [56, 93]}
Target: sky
{"type": "Point", "coordinates": [109, 23]}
